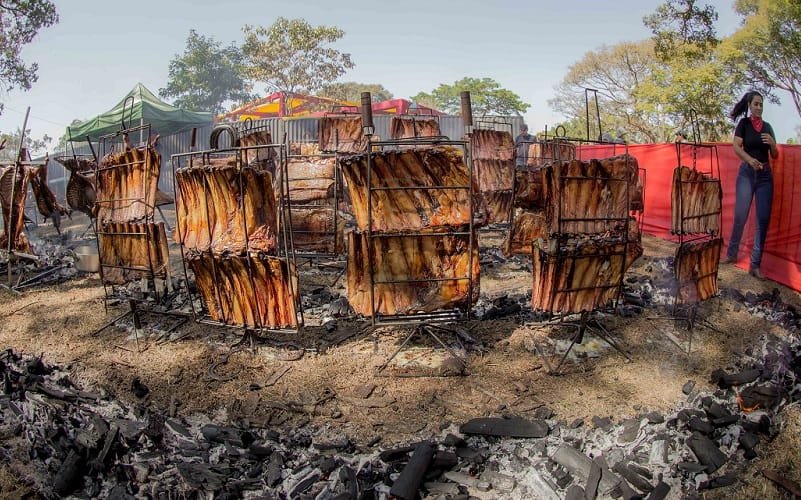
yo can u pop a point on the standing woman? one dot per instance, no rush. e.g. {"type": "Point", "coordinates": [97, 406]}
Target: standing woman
{"type": "Point", "coordinates": [755, 144]}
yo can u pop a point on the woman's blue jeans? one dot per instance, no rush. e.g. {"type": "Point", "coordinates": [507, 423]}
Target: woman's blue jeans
{"type": "Point", "coordinates": [756, 185]}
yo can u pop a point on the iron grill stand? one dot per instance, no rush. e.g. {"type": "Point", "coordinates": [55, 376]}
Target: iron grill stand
{"type": "Point", "coordinates": [588, 321]}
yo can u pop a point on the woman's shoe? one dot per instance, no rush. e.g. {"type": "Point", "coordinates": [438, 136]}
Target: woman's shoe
{"type": "Point", "coordinates": [730, 260]}
{"type": "Point", "coordinates": [756, 273]}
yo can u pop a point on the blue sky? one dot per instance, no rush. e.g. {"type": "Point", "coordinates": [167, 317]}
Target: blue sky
{"type": "Point", "coordinates": [99, 49]}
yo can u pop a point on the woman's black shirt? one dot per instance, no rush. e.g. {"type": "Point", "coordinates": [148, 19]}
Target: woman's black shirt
{"type": "Point", "coordinates": [752, 141]}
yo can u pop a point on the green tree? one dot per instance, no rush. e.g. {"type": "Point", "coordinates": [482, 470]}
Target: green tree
{"type": "Point", "coordinates": [487, 97]}
{"type": "Point", "coordinates": [692, 76]}
{"type": "Point", "coordinates": [293, 55]}
{"type": "Point", "coordinates": [20, 21]}
{"type": "Point", "coordinates": [34, 146]}
{"type": "Point", "coordinates": [682, 28]}
{"type": "Point", "coordinates": [206, 76]}
{"type": "Point", "coordinates": [616, 72]}
{"type": "Point", "coordinates": [767, 48]}
{"type": "Point", "coordinates": [352, 91]}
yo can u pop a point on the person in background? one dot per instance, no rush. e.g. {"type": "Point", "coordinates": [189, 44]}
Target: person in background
{"type": "Point", "coordinates": [522, 142]}
{"type": "Point", "coordinates": [680, 137]}
{"type": "Point", "coordinates": [755, 144]}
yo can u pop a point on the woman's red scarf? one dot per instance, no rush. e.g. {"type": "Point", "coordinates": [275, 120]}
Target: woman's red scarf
{"type": "Point", "coordinates": [756, 122]}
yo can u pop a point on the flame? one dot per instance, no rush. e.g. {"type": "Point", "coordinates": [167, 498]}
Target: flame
{"type": "Point", "coordinates": [747, 409]}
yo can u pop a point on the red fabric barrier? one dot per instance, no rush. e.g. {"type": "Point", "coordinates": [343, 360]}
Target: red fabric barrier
{"type": "Point", "coordinates": [781, 260]}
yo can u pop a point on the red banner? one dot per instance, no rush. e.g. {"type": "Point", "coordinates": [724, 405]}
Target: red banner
{"type": "Point", "coordinates": [781, 259]}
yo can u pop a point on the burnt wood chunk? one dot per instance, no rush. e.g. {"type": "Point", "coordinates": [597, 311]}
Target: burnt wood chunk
{"type": "Point", "coordinates": [408, 483]}
{"type": "Point", "coordinates": [513, 427]}
{"type": "Point", "coordinates": [737, 379]}
{"type": "Point", "coordinates": [633, 478]}
{"type": "Point", "coordinates": [706, 451]}
{"type": "Point", "coordinates": [591, 489]}
{"type": "Point", "coordinates": [68, 474]}
{"type": "Point", "coordinates": [660, 491]}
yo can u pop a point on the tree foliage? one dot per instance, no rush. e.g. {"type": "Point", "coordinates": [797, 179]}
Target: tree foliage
{"type": "Point", "coordinates": [20, 21]}
{"type": "Point", "coordinates": [293, 55]}
{"type": "Point", "coordinates": [487, 97]}
{"type": "Point", "coordinates": [767, 48]}
{"type": "Point", "coordinates": [617, 73]}
{"type": "Point", "coordinates": [352, 91]}
{"type": "Point", "coordinates": [692, 76]}
{"type": "Point", "coordinates": [34, 146]}
{"type": "Point", "coordinates": [681, 28]}
{"type": "Point", "coordinates": [206, 76]}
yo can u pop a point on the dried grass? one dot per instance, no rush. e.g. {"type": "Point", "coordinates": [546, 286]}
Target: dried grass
{"type": "Point", "coordinates": [783, 454]}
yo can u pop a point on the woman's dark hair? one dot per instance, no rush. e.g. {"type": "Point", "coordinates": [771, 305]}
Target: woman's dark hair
{"type": "Point", "coordinates": [741, 108]}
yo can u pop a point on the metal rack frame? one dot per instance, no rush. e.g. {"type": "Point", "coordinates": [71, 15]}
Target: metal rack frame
{"type": "Point", "coordinates": [337, 112]}
{"type": "Point", "coordinates": [285, 248]}
{"type": "Point", "coordinates": [493, 123]}
{"type": "Point", "coordinates": [338, 185]}
{"type": "Point", "coordinates": [106, 146]}
{"type": "Point", "coordinates": [11, 253]}
{"type": "Point", "coordinates": [587, 322]}
{"type": "Point", "coordinates": [437, 316]}
{"type": "Point", "coordinates": [413, 118]}
{"type": "Point", "coordinates": [136, 304]}
{"type": "Point", "coordinates": [689, 312]}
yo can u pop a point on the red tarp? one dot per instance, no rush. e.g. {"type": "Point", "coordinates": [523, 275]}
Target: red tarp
{"type": "Point", "coordinates": [781, 260]}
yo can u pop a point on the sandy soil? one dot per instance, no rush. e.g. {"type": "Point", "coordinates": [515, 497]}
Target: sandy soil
{"type": "Point", "coordinates": [322, 386]}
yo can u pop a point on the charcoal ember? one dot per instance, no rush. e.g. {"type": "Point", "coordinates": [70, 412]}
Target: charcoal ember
{"type": "Point", "coordinates": [396, 454]}
{"type": "Point", "coordinates": [706, 451]}
{"type": "Point", "coordinates": [305, 483]}
{"type": "Point", "coordinates": [260, 451]}
{"type": "Point", "coordinates": [660, 491]}
{"type": "Point", "coordinates": [139, 389]}
{"type": "Point", "coordinates": [274, 468]}
{"type": "Point", "coordinates": [725, 421]}
{"type": "Point", "coordinates": [471, 455]}
{"type": "Point", "coordinates": [718, 482]}
{"type": "Point", "coordinates": [444, 460]}
{"type": "Point", "coordinates": [37, 367]}
{"type": "Point", "coordinates": [640, 483]}
{"type": "Point", "coordinates": [604, 423]}
{"type": "Point", "coordinates": [758, 423]}
{"type": "Point", "coordinates": [760, 396]}
{"type": "Point", "coordinates": [700, 425]}
{"type": "Point", "coordinates": [655, 417]}
{"type": "Point", "coordinates": [200, 476]}
{"type": "Point", "coordinates": [255, 470]}
{"type": "Point", "coordinates": [411, 477]}
{"type": "Point", "coordinates": [130, 429]}
{"type": "Point", "coordinates": [686, 415]}
{"type": "Point", "coordinates": [337, 444]}
{"type": "Point", "coordinates": [748, 440]}
{"type": "Point", "coordinates": [691, 467]}
{"type": "Point", "coordinates": [714, 410]}
{"type": "Point", "coordinates": [221, 435]}
{"type": "Point", "coordinates": [451, 440]}
{"type": "Point", "coordinates": [736, 379]}
{"type": "Point", "coordinates": [69, 474]}
{"type": "Point", "coordinates": [512, 427]}
{"type": "Point", "coordinates": [631, 428]}
{"type": "Point", "coordinates": [120, 492]}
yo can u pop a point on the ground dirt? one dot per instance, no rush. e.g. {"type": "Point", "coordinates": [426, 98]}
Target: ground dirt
{"type": "Point", "coordinates": [322, 387]}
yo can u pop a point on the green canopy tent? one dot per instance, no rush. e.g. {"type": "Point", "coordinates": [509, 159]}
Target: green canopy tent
{"type": "Point", "coordinates": [164, 119]}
